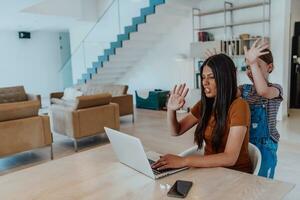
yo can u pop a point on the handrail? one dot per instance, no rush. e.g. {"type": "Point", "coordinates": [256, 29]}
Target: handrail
{"type": "Point", "coordinates": [82, 41]}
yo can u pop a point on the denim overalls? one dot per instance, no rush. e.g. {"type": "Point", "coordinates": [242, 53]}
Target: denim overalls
{"type": "Point", "coordinates": [260, 136]}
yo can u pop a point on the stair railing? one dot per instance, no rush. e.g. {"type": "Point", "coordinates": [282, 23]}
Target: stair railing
{"type": "Point", "coordinates": [97, 38]}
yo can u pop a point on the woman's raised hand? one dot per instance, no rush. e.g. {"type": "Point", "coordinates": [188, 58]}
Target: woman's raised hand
{"type": "Point", "coordinates": [177, 97]}
{"type": "Point", "coordinates": [255, 51]}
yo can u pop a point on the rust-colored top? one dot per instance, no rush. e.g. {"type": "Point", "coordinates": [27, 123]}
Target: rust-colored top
{"type": "Point", "coordinates": [238, 115]}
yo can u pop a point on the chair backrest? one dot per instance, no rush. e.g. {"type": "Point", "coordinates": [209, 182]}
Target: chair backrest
{"type": "Point", "coordinates": [254, 153]}
{"type": "Point", "coordinates": [12, 94]}
{"type": "Point", "coordinates": [98, 88]}
{"type": "Point", "coordinates": [255, 157]}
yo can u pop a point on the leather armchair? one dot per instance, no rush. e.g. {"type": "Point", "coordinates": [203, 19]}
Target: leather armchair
{"type": "Point", "coordinates": [21, 128]}
{"type": "Point", "coordinates": [86, 116]}
{"type": "Point", "coordinates": [118, 92]}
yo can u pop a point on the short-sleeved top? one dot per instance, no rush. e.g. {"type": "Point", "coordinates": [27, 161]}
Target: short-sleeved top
{"type": "Point", "coordinates": [272, 107]}
{"type": "Point", "coordinates": [238, 115]}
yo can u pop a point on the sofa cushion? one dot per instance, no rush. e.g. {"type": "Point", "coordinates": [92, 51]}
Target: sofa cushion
{"type": "Point", "coordinates": [97, 88]}
{"type": "Point", "coordinates": [56, 101]}
{"type": "Point", "coordinates": [12, 94]}
{"type": "Point", "coordinates": [93, 100]}
{"type": "Point", "coordinates": [69, 103]}
{"type": "Point", "coordinates": [70, 94]}
{"type": "Point", "coordinates": [18, 110]}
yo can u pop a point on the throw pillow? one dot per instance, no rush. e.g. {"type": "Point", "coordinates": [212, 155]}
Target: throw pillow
{"type": "Point", "coordinates": [70, 94]}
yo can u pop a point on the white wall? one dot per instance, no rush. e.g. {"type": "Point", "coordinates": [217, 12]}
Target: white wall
{"type": "Point", "coordinates": [279, 46]}
{"type": "Point", "coordinates": [33, 62]}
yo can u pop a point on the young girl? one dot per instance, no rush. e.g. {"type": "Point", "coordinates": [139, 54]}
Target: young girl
{"type": "Point", "coordinates": [264, 99]}
{"type": "Point", "coordinates": [221, 117]}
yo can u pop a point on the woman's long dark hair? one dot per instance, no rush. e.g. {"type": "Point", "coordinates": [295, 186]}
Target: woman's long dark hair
{"type": "Point", "coordinates": [224, 72]}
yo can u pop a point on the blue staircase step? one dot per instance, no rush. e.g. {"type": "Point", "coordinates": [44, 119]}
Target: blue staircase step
{"type": "Point", "coordinates": [100, 65]}
{"type": "Point", "coordinates": [131, 29]}
{"type": "Point", "coordinates": [122, 37]}
{"type": "Point", "coordinates": [92, 70]}
{"type": "Point", "coordinates": [110, 51]}
{"type": "Point", "coordinates": [81, 81]}
{"type": "Point", "coordinates": [86, 76]}
{"type": "Point", "coordinates": [148, 11]}
{"type": "Point", "coordinates": [96, 64]}
{"type": "Point", "coordinates": [103, 58]}
{"type": "Point", "coordinates": [115, 45]}
{"type": "Point", "coordinates": [156, 2]}
{"type": "Point", "coordinates": [138, 20]}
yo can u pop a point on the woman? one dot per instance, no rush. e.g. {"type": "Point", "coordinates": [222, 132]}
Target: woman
{"type": "Point", "coordinates": [222, 120]}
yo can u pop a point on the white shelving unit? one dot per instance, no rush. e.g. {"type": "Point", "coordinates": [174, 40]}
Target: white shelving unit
{"type": "Point", "coordinates": [230, 38]}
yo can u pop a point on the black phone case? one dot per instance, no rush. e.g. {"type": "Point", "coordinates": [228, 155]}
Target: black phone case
{"type": "Point", "coordinates": [180, 189]}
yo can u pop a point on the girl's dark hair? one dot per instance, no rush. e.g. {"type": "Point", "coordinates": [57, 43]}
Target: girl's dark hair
{"type": "Point", "coordinates": [267, 58]}
{"type": "Point", "coordinates": [224, 72]}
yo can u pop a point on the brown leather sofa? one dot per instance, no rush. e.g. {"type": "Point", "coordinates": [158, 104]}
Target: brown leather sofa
{"type": "Point", "coordinates": [86, 116]}
{"type": "Point", "coordinates": [21, 128]}
{"type": "Point", "coordinates": [118, 92]}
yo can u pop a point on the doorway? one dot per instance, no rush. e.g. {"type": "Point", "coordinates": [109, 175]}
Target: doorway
{"type": "Point", "coordinates": [295, 69]}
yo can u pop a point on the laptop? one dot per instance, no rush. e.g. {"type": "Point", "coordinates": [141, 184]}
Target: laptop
{"type": "Point", "coordinates": [130, 152]}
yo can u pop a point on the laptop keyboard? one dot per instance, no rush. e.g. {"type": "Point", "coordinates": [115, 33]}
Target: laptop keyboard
{"type": "Point", "coordinates": [155, 171]}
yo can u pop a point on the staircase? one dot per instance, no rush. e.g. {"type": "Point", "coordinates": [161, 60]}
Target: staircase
{"type": "Point", "coordinates": [154, 22]}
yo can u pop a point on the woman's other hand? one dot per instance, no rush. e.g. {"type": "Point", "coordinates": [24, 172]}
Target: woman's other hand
{"type": "Point", "coordinates": [177, 97]}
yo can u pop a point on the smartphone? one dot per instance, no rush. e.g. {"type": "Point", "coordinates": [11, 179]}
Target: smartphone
{"type": "Point", "coordinates": [180, 189]}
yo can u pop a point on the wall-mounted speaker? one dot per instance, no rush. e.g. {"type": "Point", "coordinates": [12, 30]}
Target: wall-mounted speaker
{"type": "Point", "coordinates": [24, 35]}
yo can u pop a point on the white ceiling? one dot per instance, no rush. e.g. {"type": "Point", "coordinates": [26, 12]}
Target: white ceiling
{"type": "Point", "coordinates": [52, 15]}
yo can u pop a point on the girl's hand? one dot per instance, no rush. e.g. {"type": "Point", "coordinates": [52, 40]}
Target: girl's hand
{"type": "Point", "coordinates": [255, 51]}
{"type": "Point", "coordinates": [177, 95]}
{"type": "Point", "coordinates": [208, 53]}
{"type": "Point", "coordinates": [169, 161]}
